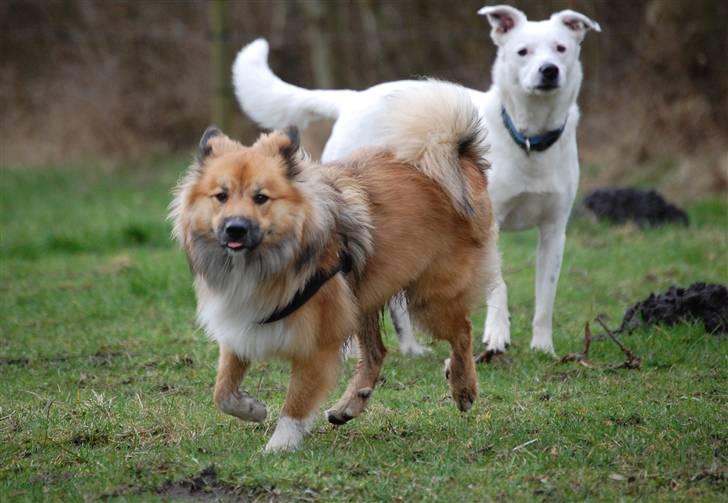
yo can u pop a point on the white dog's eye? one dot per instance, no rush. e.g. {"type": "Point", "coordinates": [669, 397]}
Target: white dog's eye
{"type": "Point", "coordinates": [561, 48]}
{"type": "Point", "coordinates": [523, 52]}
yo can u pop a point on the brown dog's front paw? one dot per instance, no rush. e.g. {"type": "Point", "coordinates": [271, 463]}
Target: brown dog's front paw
{"type": "Point", "coordinates": [464, 399]}
{"type": "Point", "coordinates": [243, 406]}
{"type": "Point", "coordinates": [462, 381]}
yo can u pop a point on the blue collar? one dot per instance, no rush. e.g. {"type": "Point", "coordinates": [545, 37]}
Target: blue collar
{"type": "Point", "coordinates": [539, 142]}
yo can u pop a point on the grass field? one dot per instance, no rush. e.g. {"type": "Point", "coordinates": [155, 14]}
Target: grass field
{"type": "Point", "coordinates": [105, 383]}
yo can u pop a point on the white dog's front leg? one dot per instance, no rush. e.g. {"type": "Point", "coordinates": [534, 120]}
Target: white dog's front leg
{"type": "Point", "coordinates": [497, 334]}
{"type": "Point", "coordinates": [408, 345]}
{"type": "Point", "coordinates": [548, 266]}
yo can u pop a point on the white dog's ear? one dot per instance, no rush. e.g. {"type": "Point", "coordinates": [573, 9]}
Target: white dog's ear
{"type": "Point", "coordinates": [579, 24]}
{"type": "Point", "coordinates": [503, 19]}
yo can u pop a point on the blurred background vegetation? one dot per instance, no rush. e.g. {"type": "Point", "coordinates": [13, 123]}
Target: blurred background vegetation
{"type": "Point", "coordinates": [123, 81]}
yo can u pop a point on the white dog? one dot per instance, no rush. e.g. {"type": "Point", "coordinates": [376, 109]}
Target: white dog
{"type": "Point", "coordinates": [531, 116]}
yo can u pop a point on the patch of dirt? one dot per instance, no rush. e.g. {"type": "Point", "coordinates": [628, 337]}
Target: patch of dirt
{"type": "Point", "coordinates": [23, 362]}
{"type": "Point", "coordinates": [103, 357]}
{"type": "Point", "coordinates": [631, 420]}
{"type": "Point", "coordinates": [99, 358]}
{"type": "Point", "coordinates": [700, 302]}
{"type": "Point", "coordinates": [91, 439]}
{"type": "Point", "coordinates": [560, 376]}
{"type": "Point", "coordinates": [205, 486]}
{"type": "Point", "coordinates": [646, 209]}
{"type": "Point", "coordinates": [51, 478]}
{"type": "Point", "coordinates": [714, 475]}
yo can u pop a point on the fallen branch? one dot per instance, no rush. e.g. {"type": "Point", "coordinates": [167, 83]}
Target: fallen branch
{"type": "Point", "coordinates": [632, 360]}
{"type": "Point", "coordinates": [583, 357]}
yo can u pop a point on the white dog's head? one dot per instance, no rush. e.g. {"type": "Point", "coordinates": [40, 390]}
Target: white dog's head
{"type": "Point", "coordinates": [537, 57]}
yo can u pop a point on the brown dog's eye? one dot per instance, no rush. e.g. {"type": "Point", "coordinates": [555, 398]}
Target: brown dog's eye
{"type": "Point", "coordinates": [560, 48]}
{"type": "Point", "coordinates": [523, 52]}
{"type": "Point", "coordinates": [260, 198]}
{"type": "Point", "coordinates": [221, 196]}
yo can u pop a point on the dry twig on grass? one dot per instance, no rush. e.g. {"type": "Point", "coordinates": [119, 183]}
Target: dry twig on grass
{"type": "Point", "coordinates": [583, 356]}
{"type": "Point", "coordinates": [632, 361]}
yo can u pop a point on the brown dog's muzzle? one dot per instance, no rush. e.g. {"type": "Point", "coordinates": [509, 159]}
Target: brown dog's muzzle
{"type": "Point", "coordinates": [238, 233]}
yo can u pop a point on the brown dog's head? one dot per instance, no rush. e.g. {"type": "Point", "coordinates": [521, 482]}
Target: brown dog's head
{"type": "Point", "coordinates": [240, 202]}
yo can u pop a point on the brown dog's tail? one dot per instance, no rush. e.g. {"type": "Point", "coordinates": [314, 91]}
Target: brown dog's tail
{"type": "Point", "coordinates": [436, 127]}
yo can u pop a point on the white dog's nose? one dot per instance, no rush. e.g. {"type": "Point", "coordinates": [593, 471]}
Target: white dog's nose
{"type": "Point", "coordinates": [549, 72]}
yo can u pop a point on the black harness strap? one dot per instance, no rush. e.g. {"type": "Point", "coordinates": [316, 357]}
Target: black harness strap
{"type": "Point", "coordinates": [313, 285]}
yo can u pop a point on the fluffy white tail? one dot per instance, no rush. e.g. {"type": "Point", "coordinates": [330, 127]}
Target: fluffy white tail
{"type": "Point", "coordinates": [275, 104]}
{"type": "Point", "coordinates": [435, 126]}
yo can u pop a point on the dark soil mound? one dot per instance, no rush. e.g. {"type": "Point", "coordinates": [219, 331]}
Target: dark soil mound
{"type": "Point", "coordinates": [699, 302]}
{"type": "Point", "coordinates": [206, 486]}
{"type": "Point", "coordinates": [646, 209]}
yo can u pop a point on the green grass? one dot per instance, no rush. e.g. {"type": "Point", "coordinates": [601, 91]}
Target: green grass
{"type": "Point", "coordinates": [106, 383]}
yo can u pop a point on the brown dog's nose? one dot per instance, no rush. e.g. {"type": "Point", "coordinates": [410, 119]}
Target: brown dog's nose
{"type": "Point", "coordinates": [239, 232]}
{"type": "Point", "coordinates": [236, 228]}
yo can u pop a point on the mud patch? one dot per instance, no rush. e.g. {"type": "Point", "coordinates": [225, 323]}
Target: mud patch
{"type": "Point", "coordinates": [646, 209]}
{"type": "Point", "coordinates": [103, 357]}
{"type": "Point", "coordinates": [100, 358]}
{"type": "Point", "coordinates": [23, 362]}
{"type": "Point", "coordinates": [206, 486]}
{"type": "Point", "coordinates": [560, 376]}
{"type": "Point", "coordinates": [631, 420]}
{"type": "Point", "coordinates": [90, 439]}
{"type": "Point", "coordinates": [716, 475]}
{"type": "Point", "coordinates": [700, 302]}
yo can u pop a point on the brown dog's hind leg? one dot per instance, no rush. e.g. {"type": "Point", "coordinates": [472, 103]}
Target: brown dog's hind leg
{"type": "Point", "coordinates": [228, 397]}
{"type": "Point", "coordinates": [360, 388]}
{"type": "Point", "coordinates": [446, 323]}
{"type": "Point", "coordinates": [460, 371]}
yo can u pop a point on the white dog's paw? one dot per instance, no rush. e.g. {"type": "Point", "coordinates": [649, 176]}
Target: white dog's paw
{"type": "Point", "coordinates": [413, 348]}
{"type": "Point", "coordinates": [497, 335]}
{"type": "Point", "coordinates": [244, 406]}
{"type": "Point", "coordinates": [288, 435]}
{"type": "Point", "coordinates": [543, 341]}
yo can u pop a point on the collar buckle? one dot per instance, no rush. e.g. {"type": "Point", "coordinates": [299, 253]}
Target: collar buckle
{"type": "Point", "coordinates": [537, 143]}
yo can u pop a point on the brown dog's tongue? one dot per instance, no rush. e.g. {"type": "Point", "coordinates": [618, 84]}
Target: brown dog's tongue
{"type": "Point", "coordinates": [234, 244]}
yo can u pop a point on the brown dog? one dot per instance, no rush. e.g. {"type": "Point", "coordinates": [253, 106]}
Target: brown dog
{"type": "Point", "coordinates": [291, 257]}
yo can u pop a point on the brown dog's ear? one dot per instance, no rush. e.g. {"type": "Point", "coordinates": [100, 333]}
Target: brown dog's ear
{"type": "Point", "coordinates": [289, 151]}
{"type": "Point", "coordinates": [214, 143]}
{"type": "Point", "coordinates": [294, 142]}
{"type": "Point", "coordinates": [287, 144]}
{"type": "Point", "coordinates": [205, 149]}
